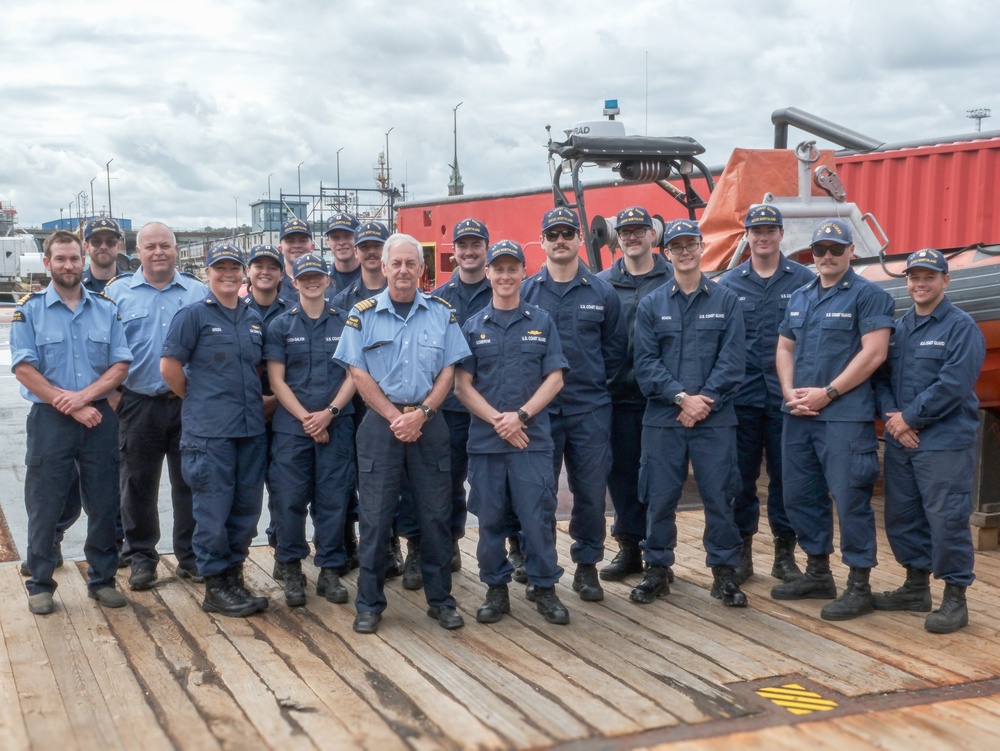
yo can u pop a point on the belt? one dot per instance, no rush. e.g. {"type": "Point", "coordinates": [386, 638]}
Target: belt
{"type": "Point", "coordinates": [165, 396]}
{"type": "Point", "coordinates": [404, 408]}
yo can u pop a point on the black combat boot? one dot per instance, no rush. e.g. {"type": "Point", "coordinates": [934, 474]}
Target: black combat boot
{"type": "Point", "coordinates": [627, 562]}
{"type": "Point", "coordinates": [456, 557]}
{"type": "Point", "coordinates": [235, 574]}
{"type": "Point", "coordinates": [278, 572]}
{"type": "Point", "coordinates": [295, 584]}
{"type": "Point", "coordinates": [785, 567]}
{"type": "Point", "coordinates": [222, 598]}
{"type": "Point", "coordinates": [351, 546]}
{"type": "Point", "coordinates": [725, 588]}
{"type": "Point", "coordinates": [744, 570]}
{"type": "Point", "coordinates": [393, 559]}
{"type": "Point", "coordinates": [413, 578]}
{"type": "Point", "coordinates": [586, 583]}
{"type": "Point", "coordinates": [328, 585]}
{"type": "Point", "coordinates": [516, 558]}
{"type": "Point", "coordinates": [915, 594]}
{"type": "Point", "coordinates": [816, 583]}
{"type": "Point", "coordinates": [855, 601]}
{"type": "Point", "coordinates": [953, 613]}
{"type": "Point", "coordinates": [496, 604]}
{"type": "Point", "coordinates": [548, 604]}
{"type": "Point", "coordinates": [654, 584]}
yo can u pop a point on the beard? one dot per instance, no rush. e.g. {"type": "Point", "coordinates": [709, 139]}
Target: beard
{"type": "Point", "coordinates": [68, 279]}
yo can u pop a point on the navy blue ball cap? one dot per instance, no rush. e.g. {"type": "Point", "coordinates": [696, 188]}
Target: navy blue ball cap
{"type": "Point", "coordinates": [223, 252]}
{"type": "Point", "coordinates": [632, 216]}
{"type": "Point", "coordinates": [371, 232]}
{"type": "Point", "coordinates": [101, 224]}
{"type": "Point", "coordinates": [833, 230]}
{"type": "Point", "coordinates": [763, 215]}
{"type": "Point", "coordinates": [680, 228]}
{"type": "Point", "coordinates": [928, 258]}
{"type": "Point", "coordinates": [265, 251]}
{"type": "Point", "coordinates": [310, 263]}
{"type": "Point", "coordinates": [342, 220]}
{"type": "Point", "coordinates": [505, 249]}
{"type": "Point", "coordinates": [470, 228]}
{"type": "Point", "coordinates": [293, 226]}
{"type": "Point", "coordinates": [560, 217]}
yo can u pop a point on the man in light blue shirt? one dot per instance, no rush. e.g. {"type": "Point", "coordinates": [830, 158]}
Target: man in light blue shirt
{"type": "Point", "coordinates": [150, 413]}
{"type": "Point", "coordinates": [68, 352]}
{"type": "Point", "coordinates": [401, 347]}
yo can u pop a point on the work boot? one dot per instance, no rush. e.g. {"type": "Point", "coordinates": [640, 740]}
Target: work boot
{"type": "Point", "coordinates": [744, 570]}
{"type": "Point", "coordinates": [223, 598]}
{"type": "Point", "coordinates": [497, 603]}
{"type": "Point", "coordinates": [953, 613]}
{"type": "Point", "coordinates": [816, 583]}
{"type": "Point", "coordinates": [456, 557]}
{"type": "Point", "coordinates": [295, 585]}
{"type": "Point", "coordinates": [586, 583]}
{"type": "Point", "coordinates": [915, 594]}
{"type": "Point", "coordinates": [278, 572]}
{"type": "Point", "coordinates": [855, 601]}
{"type": "Point", "coordinates": [548, 604]}
{"type": "Point", "coordinates": [235, 574]}
{"type": "Point", "coordinates": [413, 578]}
{"type": "Point", "coordinates": [655, 583]}
{"type": "Point", "coordinates": [725, 588]}
{"type": "Point", "coordinates": [627, 561]}
{"type": "Point", "coordinates": [351, 546]}
{"type": "Point", "coordinates": [516, 558]}
{"type": "Point", "coordinates": [59, 560]}
{"type": "Point", "coordinates": [328, 585]}
{"type": "Point", "coordinates": [785, 567]}
{"type": "Point", "coordinates": [393, 559]}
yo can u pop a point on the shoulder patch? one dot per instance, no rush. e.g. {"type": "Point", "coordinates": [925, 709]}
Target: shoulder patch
{"type": "Point", "coordinates": [18, 317]}
{"type": "Point", "coordinates": [453, 319]}
{"type": "Point", "coordinates": [364, 305]}
{"type": "Point", "coordinates": [353, 321]}
{"type": "Point", "coordinates": [441, 300]}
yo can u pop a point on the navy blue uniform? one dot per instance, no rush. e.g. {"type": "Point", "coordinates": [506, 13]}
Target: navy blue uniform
{"type": "Point", "coordinates": [466, 300]}
{"type": "Point", "coordinates": [150, 419]}
{"type": "Point", "coordinates": [827, 330]}
{"type": "Point", "coordinates": [587, 314]}
{"type": "Point", "coordinates": [222, 444]}
{"type": "Point", "coordinates": [694, 344]}
{"type": "Point", "coordinates": [628, 402]}
{"type": "Point", "coordinates": [404, 357]}
{"type": "Point", "coordinates": [759, 400]}
{"type": "Point", "coordinates": [508, 364]}
{"type": "Point", "coordinates": [929, 377]}
{"type": "Point", "coordinates": [305, 474]}
{"type": "Point", "coordinates": [341, 280]}
{"type": "Point", "coordinates": [71, 349]}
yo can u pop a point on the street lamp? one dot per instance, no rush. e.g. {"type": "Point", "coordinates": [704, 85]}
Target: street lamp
{"type": "Point", "coordinates": [455, 185]}
{"type": "Point", "coordinates": [92, 195]}
{"type": "Point", "coordinates": [108, 166]}
{"type": "Point", "coordinates": [299, 171]}
{"type": "Point", "coordinates": [388, 180]}
{"type": "Point", "coordinates": [269, 206]}
{"type": "Point", "coordinates": [236, 204]}
{"type": "Point", "coordinates": [338, 170]}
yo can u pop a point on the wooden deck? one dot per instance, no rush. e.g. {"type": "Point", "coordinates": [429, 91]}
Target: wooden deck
{"type": "Point", "coordinates": [684, 673]}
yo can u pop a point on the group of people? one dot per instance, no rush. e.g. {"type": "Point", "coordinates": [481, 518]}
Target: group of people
{"type": "Point", "coordinates": [324, 382]}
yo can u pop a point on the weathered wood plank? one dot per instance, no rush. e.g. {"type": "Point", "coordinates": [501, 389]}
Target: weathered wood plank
{"type": "Point", "coordinates": [13, 733]}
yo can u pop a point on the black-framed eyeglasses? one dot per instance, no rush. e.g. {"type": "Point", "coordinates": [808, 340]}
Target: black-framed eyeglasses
{"type": "Point", "coordinates": [625, 233]}
{"type": "Point", "coordinates": [689, 248]}
{"type": "Point", "coordinates": [98, 242]}
{"type": "Point", "coordinates": [834, 250]}
{"type": "Point", "coordinates": [554, 234]}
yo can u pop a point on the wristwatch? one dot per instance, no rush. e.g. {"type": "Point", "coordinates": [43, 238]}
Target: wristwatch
{"type": "Point", "coordinates": [523, 416]}
{"type": "Point", "coordinates": [679, 399]}
{"type": "Point", "coordinates": [831, 393]}
{"type": "Point", "coordinates": [334, 410]}
{"type": "Point", "coordinates": [428, 412]}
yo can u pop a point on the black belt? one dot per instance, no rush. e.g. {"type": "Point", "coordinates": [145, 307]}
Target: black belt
{"type": "Point", "coordinates": [165, 396]}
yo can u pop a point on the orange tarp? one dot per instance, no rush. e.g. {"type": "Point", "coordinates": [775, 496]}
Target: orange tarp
{"type": "Point", "coordinates": [748, 176]}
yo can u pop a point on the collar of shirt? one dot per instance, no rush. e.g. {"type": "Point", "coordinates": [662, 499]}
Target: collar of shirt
{"type": "Point", "coordinates": [384, 303]}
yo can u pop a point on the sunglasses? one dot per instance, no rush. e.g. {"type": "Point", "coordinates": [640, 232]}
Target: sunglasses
{"type": "Point", "coordinates": [554, 234]}
{"type": "Point", "coordinates": [98, 242]}
{"type": "Point", "coordinates": [834, 250]}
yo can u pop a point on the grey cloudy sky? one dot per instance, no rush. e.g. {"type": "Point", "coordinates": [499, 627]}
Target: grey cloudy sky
{"type": "Point", "coordinates": [197, 102]}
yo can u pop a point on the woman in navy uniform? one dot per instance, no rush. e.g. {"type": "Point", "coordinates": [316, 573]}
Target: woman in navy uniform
{"type": "Point", "coordinates": [312, 453]}
{"type": "Point", "coordinates": [211, 357]}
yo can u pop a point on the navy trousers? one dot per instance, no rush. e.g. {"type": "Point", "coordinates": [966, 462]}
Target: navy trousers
{"type": "Point", "coordinates": [623, 480]}
{"type": "Point", "coordinates": [758, 436]}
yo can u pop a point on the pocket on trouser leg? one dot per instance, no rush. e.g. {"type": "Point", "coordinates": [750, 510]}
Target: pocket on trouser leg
{"type": "Point", "coordinates": [864, 463]}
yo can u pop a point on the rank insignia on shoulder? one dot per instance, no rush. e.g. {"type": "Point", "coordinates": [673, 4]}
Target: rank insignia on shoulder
{"type": "Point", "coordinates": [105, 297]}
{"type": "Point", "coordinates": [364, 305]}
{"type": "Point", "coordinates": [354, 322]}
{"type": "Point", "coordinates": [27, 297]}
{"type": "Point", "coordinates": [441, 300]}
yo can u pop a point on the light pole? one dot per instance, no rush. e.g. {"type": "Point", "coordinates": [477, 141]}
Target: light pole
{"type": "Point", "coordinates": [299, 171]}
{"type": "Point", "coordinates": [338, 170]}
{"type": "Point", "coordinates": [455, 185]}
{"type": "Point", "coordinates": [92, 195]}
{"type": "Point", "coordinates": [388, 173]}
{"type": "Point", "coordinates": [108, 166]}
{"type": "Point", "coordinates": [269, 207]}
{"type": "Point", "coordinates": [236, 205]}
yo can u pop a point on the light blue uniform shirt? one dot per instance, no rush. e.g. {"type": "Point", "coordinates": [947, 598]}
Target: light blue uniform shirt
{"type": "Point", "coordinates": [146, 313]}
{"type": "Point", "coordinates": [403, 356]}
{"type": "Point", "coordinates": [70, 348]}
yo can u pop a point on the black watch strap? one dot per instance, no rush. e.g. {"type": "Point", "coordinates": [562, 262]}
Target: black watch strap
{"type": "Point", "coordinates": [428, 412]}
{"type": "Point", "coordinates": [523, 416]}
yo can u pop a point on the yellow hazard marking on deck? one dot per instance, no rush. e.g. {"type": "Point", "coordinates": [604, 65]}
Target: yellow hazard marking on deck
{"type": "Point", "coordinates": [796, 699]}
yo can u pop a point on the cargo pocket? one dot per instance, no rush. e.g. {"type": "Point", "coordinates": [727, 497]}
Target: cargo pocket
{"type": "Point", "coordinates": [864, 462]}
